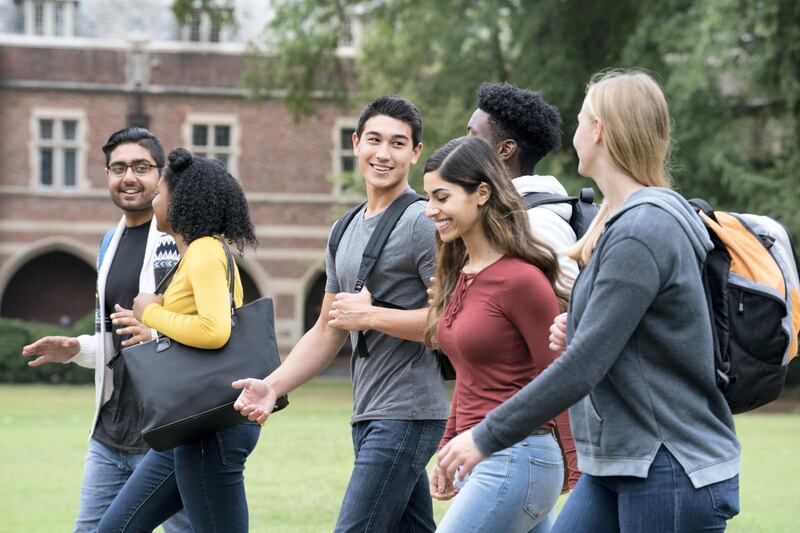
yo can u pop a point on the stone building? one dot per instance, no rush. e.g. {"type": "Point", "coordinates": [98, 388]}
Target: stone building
{"type": "Point", "coordinates": [73, 71]}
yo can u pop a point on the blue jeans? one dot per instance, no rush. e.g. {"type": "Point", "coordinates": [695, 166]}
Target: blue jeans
{"type": "Point", "coordinates": [388, 489]}
{"type": "Point", "coordinates": [664, 502]}
{"type": "Point", "coordinates": [205, 477]}
{"type": "Point", "coordinates": [105, 471]}
{"type": "Point", "coordinates": [512, 490]}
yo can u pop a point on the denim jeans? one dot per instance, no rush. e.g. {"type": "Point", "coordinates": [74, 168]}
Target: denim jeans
{"type": "Point", "coordinates": [513, 490]}
{"type": "Point", "coordinates": [664, 502]}
{"type": "Point", "coordinates": [205, 477]}
{"type": "Point", "coordinates": [388, 489]}
{"type": "Point", "coordinates": [105, 471]}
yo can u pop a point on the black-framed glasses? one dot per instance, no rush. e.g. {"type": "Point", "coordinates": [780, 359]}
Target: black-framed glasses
{"type": "Point", "coordinates": [140, 168]}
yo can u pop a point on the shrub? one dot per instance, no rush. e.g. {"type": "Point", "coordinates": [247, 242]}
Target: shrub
{"type": "Point", "coordinates": [14, 334]}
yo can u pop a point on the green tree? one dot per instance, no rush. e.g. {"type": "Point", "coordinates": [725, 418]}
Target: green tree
{"type": "Point", "coordinates": [730, 69]}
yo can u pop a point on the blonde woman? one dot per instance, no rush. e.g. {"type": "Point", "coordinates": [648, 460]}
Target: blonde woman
{"type": "Point", "coordinates": [655, 439]}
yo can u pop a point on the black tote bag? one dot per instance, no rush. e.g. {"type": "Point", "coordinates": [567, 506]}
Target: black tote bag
{"type": "Point", "coordinates": [185, 392]}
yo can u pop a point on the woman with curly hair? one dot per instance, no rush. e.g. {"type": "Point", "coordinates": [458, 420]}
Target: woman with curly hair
{"type": "Point", "coordinates": [496, 299]}
{"type": "Point", "coordinates": [198, 202]}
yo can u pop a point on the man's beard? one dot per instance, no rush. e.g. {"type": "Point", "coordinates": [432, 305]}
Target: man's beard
{"type": "Point", "coordinates": [145, 204]}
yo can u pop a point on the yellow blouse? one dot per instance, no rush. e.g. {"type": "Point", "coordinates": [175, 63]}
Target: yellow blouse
{"type": "Point", "coordinates": [196, 309]}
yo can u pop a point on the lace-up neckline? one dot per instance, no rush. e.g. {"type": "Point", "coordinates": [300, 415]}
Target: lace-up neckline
{"type": "Point", "coordinates": [457, 302]}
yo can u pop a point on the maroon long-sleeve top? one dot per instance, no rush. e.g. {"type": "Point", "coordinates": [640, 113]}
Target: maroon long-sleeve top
{"type": "Point", "coordinates": [495, 330]}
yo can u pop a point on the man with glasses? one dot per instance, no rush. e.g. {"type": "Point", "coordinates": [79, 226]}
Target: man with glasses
{"type": "Point", "coordinates": [133, 258]}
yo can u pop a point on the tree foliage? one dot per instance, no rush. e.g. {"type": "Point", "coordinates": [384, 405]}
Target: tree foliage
{"type": "Point", "coordinates": [730, 70]}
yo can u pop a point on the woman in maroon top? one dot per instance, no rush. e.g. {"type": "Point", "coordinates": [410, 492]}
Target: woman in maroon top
{"type": "Point", "coordinates": [491, 315]}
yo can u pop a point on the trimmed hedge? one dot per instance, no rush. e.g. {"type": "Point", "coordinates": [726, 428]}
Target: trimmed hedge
{"type": "Point", "coordinates": [14, 334]}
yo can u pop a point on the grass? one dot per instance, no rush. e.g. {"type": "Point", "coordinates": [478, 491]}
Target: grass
{"type": "Point", "coordinates": [296, 477]}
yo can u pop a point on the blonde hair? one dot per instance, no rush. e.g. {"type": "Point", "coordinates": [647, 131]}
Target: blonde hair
{"type": "Point", "coordinates": [636, 135]}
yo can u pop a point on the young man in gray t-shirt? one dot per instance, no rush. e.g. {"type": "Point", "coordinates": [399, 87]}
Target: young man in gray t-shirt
{"type": "Point", "coordinates": [400, 403]}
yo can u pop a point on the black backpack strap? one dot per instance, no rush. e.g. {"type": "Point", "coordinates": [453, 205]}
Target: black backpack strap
{"type": "Point", "coordinates": [375, 246]}
{"type": "Point", "coordinates": [381, 234]}
{"type": "Point", "coordinates": [340, 227]}
{"type": "Point", "coordinates": [583, 207]}
{"type": "Point", "coordinates": [535, 199]}
{"type": "Point", "coordinates": [701, 205]}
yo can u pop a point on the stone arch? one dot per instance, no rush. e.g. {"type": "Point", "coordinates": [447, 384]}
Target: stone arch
{"type": "Point", "coordinates": [53, 280]}
{"type": "Point", "coordinates": [313, 283]}
{"type": "Point", "coordinates": [254, 279]}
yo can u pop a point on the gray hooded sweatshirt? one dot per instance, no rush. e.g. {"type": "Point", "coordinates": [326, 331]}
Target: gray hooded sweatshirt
{"type": "Point", "coordinates": [638, 370]}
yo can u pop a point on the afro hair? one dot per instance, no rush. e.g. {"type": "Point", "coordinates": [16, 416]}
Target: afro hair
{"type": "Point", "coordinates": [522, 115]}
{"type": "Point", "coordinates": [206, 200]}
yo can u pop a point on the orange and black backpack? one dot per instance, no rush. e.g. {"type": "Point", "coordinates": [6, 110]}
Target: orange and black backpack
{"type": "Point", "coordinates": [753, 293]}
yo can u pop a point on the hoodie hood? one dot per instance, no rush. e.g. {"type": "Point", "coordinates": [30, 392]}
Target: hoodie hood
{"type": "Point", "coordinates": [674, 204]}
{"type": "Point", "coordinates": [548, 184]}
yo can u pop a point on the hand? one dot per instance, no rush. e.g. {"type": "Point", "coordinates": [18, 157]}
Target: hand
{"type": "Point", "coordinates": [558, 333]}
{"type": "Point", "coordinates": [432, 291]}
{"type": "Point", "coordinates": [460, 455]}
{"type": "Point", "coordinates": [350, 311]}
{"type": "Point", "coordinates": [141, 302]}
{"type": "Point", "coordinates": [257, 399]}
{"type": "Point", "coordinates": [52, 350]}
{"type": "Point", "coordinates": [138, 331]}
{"type": "Point", "coordinates": [441, 487]}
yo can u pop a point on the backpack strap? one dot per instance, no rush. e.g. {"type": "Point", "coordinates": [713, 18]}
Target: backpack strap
{"type": "Point", "coordinates": [104, 246]}
{"type": "Point", "coordinates": [701, 205]}
{"type": "Point", "coordinates": [340, 227]}
{"type": "Point", "coordinates": [583, 207]}
{"type": "Point", "coordinates": [375, 246]}
{"type": "Point", "coordinates": [536, 199]}
{"type": "Point", "coordinates": [381, 234]}
{"type": "Point", "coordinates": [587, 195]}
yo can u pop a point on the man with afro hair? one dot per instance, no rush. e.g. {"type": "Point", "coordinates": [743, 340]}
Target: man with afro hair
{"type": "Point", "coordinates": [523, 128]}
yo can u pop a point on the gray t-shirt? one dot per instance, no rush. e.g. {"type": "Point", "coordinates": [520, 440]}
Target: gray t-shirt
{"type": "Point", "coordinates": [400, 379]}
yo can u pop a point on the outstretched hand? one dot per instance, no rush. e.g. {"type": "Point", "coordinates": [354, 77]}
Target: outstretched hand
{"type": "Point", "coordinates": [53, 349]}
{"type": "Point", "coordinates": [257, 399]}
{"type": "Point", "coordinates": [459, 456]}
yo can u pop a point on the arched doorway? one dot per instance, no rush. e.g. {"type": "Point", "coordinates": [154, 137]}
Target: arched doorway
{"type": "Point", "coordinates": [55, 287]}
{"type": "Point", "coordinates": [313, 305]}
{"type": "Point", "coordinates": [249, 287]}
{"type": "Point", "coordinates": [314, 301]}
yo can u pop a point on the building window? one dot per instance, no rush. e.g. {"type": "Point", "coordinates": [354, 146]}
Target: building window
{"type": "Point", "coordinates": [347, 160]}
{"type": "Point", "coordinates": [38, 18]}
{"type": "Point", "coordinates": [194, 26]}
{"type": "Point", "coordinates": [58, 149]}
{"type": "Point", "coordinates": [345, 165]}
{"type": "Point", "coordinates": [346, 36]}
{"type": "Point", "coordinates": [215, 137]}
{"type": "Point", "coordinates": [206, 27]}
{"type": "Point", "coordinates": [49, 18]}
{"type": "Point", "coordinates": [215, 31]}
{"type": "Point", "coordinates": [350, 32]}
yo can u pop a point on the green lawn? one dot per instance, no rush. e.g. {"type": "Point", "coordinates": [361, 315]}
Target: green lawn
{"type": "Point", "coordinates": [298, 473]}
